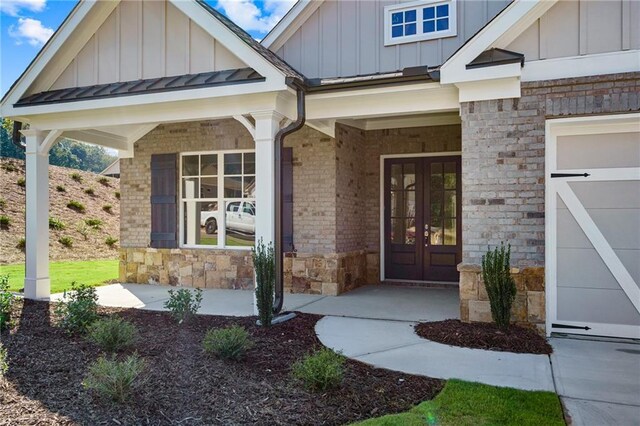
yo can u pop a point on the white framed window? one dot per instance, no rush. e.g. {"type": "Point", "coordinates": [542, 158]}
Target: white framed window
{"type": "Point", "coordinates": [419, 20]}
{"type": "Point", "coordinates": [217, 199]}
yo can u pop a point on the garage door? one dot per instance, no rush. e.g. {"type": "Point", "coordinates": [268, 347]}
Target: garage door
{"type": "Point", "coordinates": [593, 225]}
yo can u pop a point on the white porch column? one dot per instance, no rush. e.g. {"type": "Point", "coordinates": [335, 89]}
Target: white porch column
{"type": "Point", "coordinates": [37, 284]}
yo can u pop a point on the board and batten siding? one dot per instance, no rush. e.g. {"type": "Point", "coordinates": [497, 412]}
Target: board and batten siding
{"type": "Point", "coordinates": [346, 37]}
{"type": "Point", "coordinates": [581, 27]}
{"type": "Point", "coordinates": [142, 40]}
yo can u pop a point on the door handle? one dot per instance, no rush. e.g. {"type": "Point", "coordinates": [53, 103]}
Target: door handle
{"type": "Point", "coordinates": [426, 234]}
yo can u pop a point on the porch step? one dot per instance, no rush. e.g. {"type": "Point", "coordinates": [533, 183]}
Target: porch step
{"type": "Point", "coordinates": [424, 284]}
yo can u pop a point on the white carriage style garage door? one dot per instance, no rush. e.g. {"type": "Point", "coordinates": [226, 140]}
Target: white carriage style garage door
{"type": "Point", "coordinates": [593, 225]}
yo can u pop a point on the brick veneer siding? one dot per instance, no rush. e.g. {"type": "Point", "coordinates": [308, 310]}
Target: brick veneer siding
{"type": "Point", "coordinates": [503, 182]}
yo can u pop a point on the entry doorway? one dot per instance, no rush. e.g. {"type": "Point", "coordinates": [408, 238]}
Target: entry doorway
{"type": "Point", "coordinates": [422, 218]}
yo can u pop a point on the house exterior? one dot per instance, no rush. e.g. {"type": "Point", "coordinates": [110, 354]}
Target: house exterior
{"type": "Point", "coordinates": [434, 130]}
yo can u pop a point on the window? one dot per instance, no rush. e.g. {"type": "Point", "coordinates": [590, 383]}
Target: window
{"type": "Point", "coordinates": [215, 182]}
{"type": "Point", "coordinates": [419, 20]}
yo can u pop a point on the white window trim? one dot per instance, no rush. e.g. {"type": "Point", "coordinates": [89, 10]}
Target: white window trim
{"type": "Point", "coordinates": [222, 202]}
{"type": "Point", "coordinates": [419, 36]}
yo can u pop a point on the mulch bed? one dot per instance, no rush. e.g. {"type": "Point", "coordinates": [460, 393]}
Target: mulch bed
{"type": "Point", "coordinates": [183, 385]}
{"type": "Point", "coordinates": [484, 336]}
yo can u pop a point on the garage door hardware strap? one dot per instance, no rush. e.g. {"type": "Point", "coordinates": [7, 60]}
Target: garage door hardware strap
{"type": "Point", "coordinates": [560, 175]}
{"type": "Point", "coordinates": [573, 327]}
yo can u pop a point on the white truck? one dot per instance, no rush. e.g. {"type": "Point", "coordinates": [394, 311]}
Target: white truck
{"type": "Point", "coordinates": [241, 217]}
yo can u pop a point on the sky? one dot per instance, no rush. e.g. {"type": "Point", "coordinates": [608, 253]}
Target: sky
{"type": "Point", "coordinates": [26, 25]}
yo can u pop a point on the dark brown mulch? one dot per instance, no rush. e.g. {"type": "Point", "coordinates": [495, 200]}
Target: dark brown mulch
{"type": "Point", "coordinates": [182, 385]}
{"type": "Point", "coordinates": [484, 336]}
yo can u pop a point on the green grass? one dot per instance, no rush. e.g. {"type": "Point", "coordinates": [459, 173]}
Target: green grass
{"type": "Point", "coordinates": [232, 240]}
{"type": "Point", "coordinates": [473, 404]}
{"type": "Point", "coordinates": [90, 272]}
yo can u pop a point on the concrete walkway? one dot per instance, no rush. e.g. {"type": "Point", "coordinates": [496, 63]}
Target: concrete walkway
{"type": "Point", "coordinates": [394, 345]}
{"type": "Point", "coordinates": [598, 381]}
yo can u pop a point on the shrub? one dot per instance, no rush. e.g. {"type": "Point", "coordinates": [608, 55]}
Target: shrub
{"type": "Point", "coordinates": [10, 167]}
{"type": "Point", "coordinates": [112, 334]}
{"type": "Point", "coordinates": [107, 208]}
{"type": "Point", "coordinates": [76, 176]}
{"type": "Point", "coordinates": [6, 301]}
{"type": "Point", "coordinates": [183, 304]}
{"type": "Point", "coordinates": [110, 241]}
{"type": "Point", "coordinates": [117, 194]}
{"type": "Point", "coordinates": [93, 223]}
{"type": "Point", "coordinates": [321, 370]}
{"type": "Point", "coordinates": [103, 181]}
{"type": "Point", "coordinates": [66, 241]}
{"type": "Point", "coordinates": [76, 205]}
{"type": "Point", "coordinates": [3, 203]}
{"type": "Point", "coordinates": [264, 265]}
{"type": "Point", "coordinates": [228, 343]}
{"type": "Point", "coordinates": [114, 379]}
{"type": "Point", "coordinates": [21, 182]}
{"type": "Point", "coordinates": [80, 310]}
{"type": "Point", "coordinates": [83, 229]}
{"type": "Point", "coordinates": [4, 222]}
{"type": "Point", "coordinates": [56, 224]}
{"type": "Point", "coordinates": [22, 244]}
{"type": "Point", "coordinates": [61, 188]}
{"type": "Point", "coordinates": [500, 285]}
{"type": "Point", "coordinates": [4, 362]}
{"type": "Point", "coordinates": [90, 191]}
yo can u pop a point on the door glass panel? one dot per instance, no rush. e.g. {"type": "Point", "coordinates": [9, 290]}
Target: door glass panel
{"type": "Point", "coordinates": [450, 232]}
{"type": "Point", "coordinates": [436, 236]}
{"type": "Point", "coordinates": [397, 204]}
{"type": "Point", "coordinates": [397, 231]}
{"type": "Point", "coordinates": [409, 176]}
{"type": "Point", "coordinates": [396, 176]}
{"type": "Point", "coordinates": [450, 175]}
{"type": "Point", "coordinates": [436, 176]}
{"type": "Point", "coordinates": [450, 204]}
{"type": "Point", "coordinates": [436, 205]}
{"type": "Point", "coordinates": [410, 204]}
{"type": "Point", "coordinates": [410, 231]}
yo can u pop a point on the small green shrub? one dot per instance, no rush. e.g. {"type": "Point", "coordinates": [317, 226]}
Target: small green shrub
{"type": "Point", "coordinates": [76, 177]}
{"type": "Point", "coordinates": [113, 379]}
{"type": "Point", "coordinates": [66, 241]}
{"type": "Point", "coordinates": [90, 191]}
{"type": "Point", "coordinates": [56, 224]}
{"type": "Point", "coordinates": [228, 343]}
{"type": "Point", "coordinates": [112, 334]}
{"type": "Point", "coordinates": [3, 203]}
{"type": "Point", "coordinates": [4, 222]}
{"type": "Point", "coordinates": [76, 206]}
{"type": "Point", "coordinates": [4, 361]}
{"type": "Point", "coordinates": [117, 194]}
{"type": "Point", "coordinates": [6, 301]}
{"type": "Point", "coordinates": [61, 188]}
{"type": "Point", "coordinates": [500, 285]}
{"type": "Point", "coordinates": [183, 303]}
{"type": "Point", "coordinates": [93, 223]}
{"type": "Point", "coordinates": [103, 181]}
{"type": "Point", "coordinates": [21, 182]}
{"type": "Point", "coordinates": [80, 310]}
{"type": "Point", "coordinates": [10, 167]}
{"type": "Point", "coordinates": [22, 244]}
{"type": "Point", "coordinates": [264, 265]}
{"type": "Point", "coordinates": [83, 229]}
{"type": "Point", "coordinates": [321, 370]}
{"type": "Point", "coordinates": [110, 241]}
{"type": "Point", "coordinates": [108, 208]}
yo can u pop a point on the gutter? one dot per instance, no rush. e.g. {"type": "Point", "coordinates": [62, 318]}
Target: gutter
{"type": "Point", "coordinates": [16, 138]}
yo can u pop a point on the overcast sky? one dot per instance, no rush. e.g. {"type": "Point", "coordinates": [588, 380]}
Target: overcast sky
{"type": "Point", "coordinates": [27, 24]}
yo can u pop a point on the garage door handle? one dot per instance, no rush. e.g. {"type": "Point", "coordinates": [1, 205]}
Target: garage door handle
{"type": "Point", "coordinates": [561, 175]}
{"type": "Point", "coordinates": [573, 327]}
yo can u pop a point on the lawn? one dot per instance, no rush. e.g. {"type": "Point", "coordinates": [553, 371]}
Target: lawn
{"type": "Point", "coordinates": [464, 403]}
{"type": "Point", "coordinates": [91, 272]}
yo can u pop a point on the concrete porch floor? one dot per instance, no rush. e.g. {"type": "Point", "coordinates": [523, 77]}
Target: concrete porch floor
{"type": "Point", "coordinates": [372, 302]}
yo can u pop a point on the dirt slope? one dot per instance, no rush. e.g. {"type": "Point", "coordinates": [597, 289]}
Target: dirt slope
{"type": "Point", "coordinates": [93, 246]}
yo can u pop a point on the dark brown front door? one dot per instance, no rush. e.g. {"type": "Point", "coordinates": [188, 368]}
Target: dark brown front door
{"type": "Point", "coordinates": [422, 218]}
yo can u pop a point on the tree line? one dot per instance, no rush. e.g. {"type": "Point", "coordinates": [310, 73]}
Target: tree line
{"type": "Point", "coordinates": [65, 153]}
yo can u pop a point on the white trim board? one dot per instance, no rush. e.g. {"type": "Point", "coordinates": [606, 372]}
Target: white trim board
{"type": "Point", "coordinates": [381, 183]}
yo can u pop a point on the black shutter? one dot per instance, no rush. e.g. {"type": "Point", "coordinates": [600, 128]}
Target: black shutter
{"type": "Point", "coordinates": [164, 207]}
{"type": "Point", "coordinates": [287, 200]}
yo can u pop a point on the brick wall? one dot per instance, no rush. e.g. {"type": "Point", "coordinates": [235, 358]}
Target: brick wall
{"type": "Point", "coordinates": [503, 159]}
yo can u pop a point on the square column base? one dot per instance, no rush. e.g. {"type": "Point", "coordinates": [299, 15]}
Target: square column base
{"type": "Point", "coordinates": [37, 288]}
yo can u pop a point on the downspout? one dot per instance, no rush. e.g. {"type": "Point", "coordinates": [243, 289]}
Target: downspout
{"type": "Point", "coordinates": [279, 139]}
{"type": "Point", "coordinates": [16, 137]}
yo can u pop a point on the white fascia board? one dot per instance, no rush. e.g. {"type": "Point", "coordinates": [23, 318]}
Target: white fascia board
{"type": "Point", "coordinates": [148, 99]}
{"type": "Point", "coordinates": [516, 18]}
{"type": "Point", "coordinates": [158, 112]}
{"type": "Point", "coordinates": [404, 100]}
{"type": "Point", "coordinates": [582, 66]}
{"type": "Point", "coordinates": [91, 13]}
{"type": "Point", "coordinates": [290, 23]}
{"type": "Point", "coordinates": [503, 88]}
{"type": "Point", "coordinates": [228, 39]}
{"type": "Point", "coordinates": [492, 72]}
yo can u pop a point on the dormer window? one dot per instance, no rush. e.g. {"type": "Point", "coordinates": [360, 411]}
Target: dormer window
{"type": "Point", "coordinates": [419, 20]}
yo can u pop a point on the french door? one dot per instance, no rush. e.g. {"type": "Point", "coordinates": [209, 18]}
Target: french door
{"type": "Point", "coordinates": [422, 210]}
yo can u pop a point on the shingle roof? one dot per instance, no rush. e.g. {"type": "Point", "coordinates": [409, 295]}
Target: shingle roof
{"type": "Point", "coordinates": [139, 87]}
{"type": "Point", "coordinates": [496, 56]}
{"type": "Point", "coordinates": [270, 56]}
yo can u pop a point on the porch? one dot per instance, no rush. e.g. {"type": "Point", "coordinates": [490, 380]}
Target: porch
{"type": "Point", "coordinates": [382, 302]}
